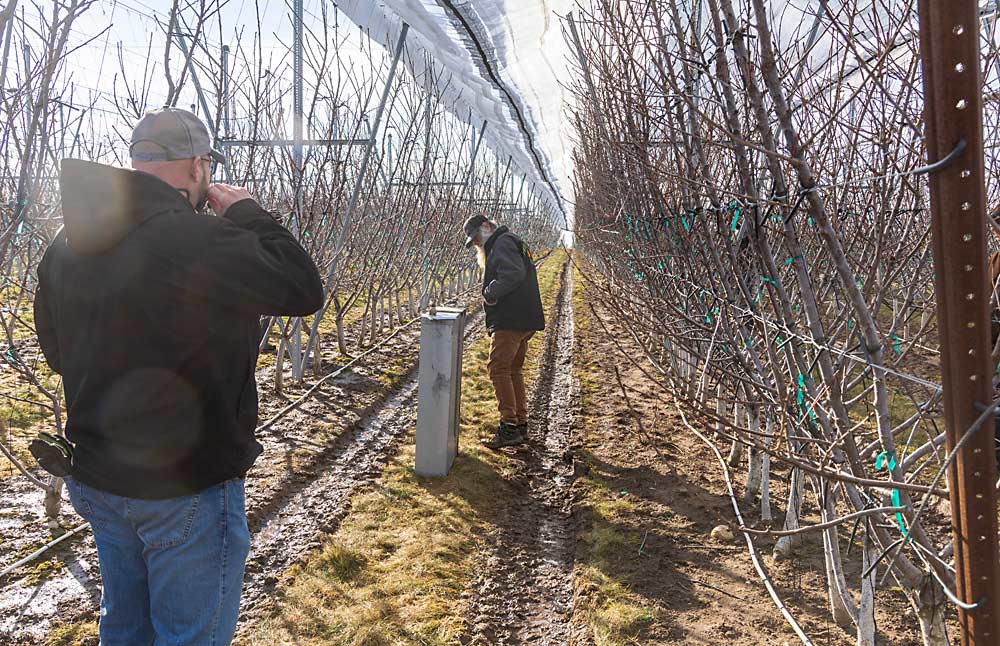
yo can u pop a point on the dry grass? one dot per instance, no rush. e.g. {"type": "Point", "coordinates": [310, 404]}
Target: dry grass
{"type": "Point", "coordinates": [74, 634]}
{"type": "Point", "coordinates": [612, 613]}
{"type": "Point", "coordinates": [396, 569]}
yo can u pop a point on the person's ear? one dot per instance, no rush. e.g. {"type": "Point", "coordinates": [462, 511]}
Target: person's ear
{"type": "Point", "coordinates": [196, 169]}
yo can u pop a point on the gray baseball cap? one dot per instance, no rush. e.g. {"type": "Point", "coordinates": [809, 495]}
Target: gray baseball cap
{"type": "Point", "coordinates": [176, 133]}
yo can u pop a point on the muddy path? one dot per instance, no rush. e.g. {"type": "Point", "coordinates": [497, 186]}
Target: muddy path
{"type": "Point", "coordinates": [64, 583]}
{"type": "Point", "coordinates": [296, 522]}
{"type": "Point", "coordinates": [523, 593]}
{"type": "Point", "coordinates": [315, 458]}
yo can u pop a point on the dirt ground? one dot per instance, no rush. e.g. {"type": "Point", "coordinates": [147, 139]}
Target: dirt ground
{"type": "Point", "coordinates": [598, 532]}
{"type": "Point", "coordinates": [522, 592]}
{"type": "Point", "coordinates": [647, 568]}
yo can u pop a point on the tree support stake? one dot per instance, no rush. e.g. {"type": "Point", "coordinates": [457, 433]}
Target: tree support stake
{"type": "Point", "coordinates": [950, 58]}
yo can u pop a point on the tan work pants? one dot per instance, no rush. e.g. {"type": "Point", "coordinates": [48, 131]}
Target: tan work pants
{"type": "Point", "coordinates": [506, 361]}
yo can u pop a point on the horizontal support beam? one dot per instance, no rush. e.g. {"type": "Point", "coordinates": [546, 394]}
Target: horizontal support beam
{"type": "Point", "coordinates": [292, 142]}
{"type": "Point", "coordinates": [406, 183]}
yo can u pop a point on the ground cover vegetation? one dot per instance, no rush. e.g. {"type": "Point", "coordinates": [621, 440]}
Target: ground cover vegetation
{"type": "Point", "coordinates": [397, 570]}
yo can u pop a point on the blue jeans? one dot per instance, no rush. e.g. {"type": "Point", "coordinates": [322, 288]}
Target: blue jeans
{"type": "Point", "coordinates": [172, 570]}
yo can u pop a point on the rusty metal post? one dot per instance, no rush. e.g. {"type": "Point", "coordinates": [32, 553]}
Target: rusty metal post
{"type": "Point", "coordinates": [949, 47]}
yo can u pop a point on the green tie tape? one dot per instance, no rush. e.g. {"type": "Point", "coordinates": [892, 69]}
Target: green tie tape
{"type": "Point", "coordinates": [801, 397]}
{"type": "Point", "coordinates": [896, 345]}
{"type": "Point", "coordinates": [760, 292]}
{"type": "Point", "coordinates": [887, 461]}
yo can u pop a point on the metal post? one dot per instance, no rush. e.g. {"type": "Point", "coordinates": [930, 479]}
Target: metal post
{"type": "Point", "coordinates": [496, 171]}
{"type": "Point", "coordinates": [427, 278]}
{"type": "Point", "coordinates": [470, 175]}
{"type": "Point", "coordinates": [355, 194]}
{"type": "Point", "coordinates": [949, 44]}
{"type": "Point", "coordinates": [366, 157]}
{"type": "Point", "coordinates": [226, 129]}
{"type": "Point", "coordinates": [512, 199]}
{"type": "Point", "coordinates": [389, 135]}
{"type": "Point", "coordinates": [297, 107]}
{"type": "Point", "coordinates": [502, 179]}
{"type": "Point", "coordinates": [474, 147]}
{"type": "Point", "coordinates": [6, 52]}
{"type": "Point", "coordinates": [427, 171]}
{"type": "Point", "coordinates": [209, 119]}
{"type": "Point", "coordinates": [298, 361]}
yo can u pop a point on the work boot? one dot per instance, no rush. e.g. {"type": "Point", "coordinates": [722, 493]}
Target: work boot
{"type": "Point", "coordinates": [523, 429]}
{"type": "Point", "coordinates": [506, 435]}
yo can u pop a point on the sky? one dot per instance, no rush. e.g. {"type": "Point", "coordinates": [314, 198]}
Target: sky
{"type": "Point", "coordinates": [526, 34]}
{"type": "Point", "coordinates": [93, 63]}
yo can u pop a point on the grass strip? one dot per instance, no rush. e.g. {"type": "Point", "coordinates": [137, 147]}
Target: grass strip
{"type": "Point", "coordinates": [396, 569]}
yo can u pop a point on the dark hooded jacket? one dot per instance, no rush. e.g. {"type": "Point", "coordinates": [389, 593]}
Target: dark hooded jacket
{"type": "Point", "coordinates": [510, 281]}
{"type": "Point", "coordinates": [150, 312]}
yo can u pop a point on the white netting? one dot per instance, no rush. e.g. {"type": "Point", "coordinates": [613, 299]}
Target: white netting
{"type": "Point", "coordinates": [503, 61]}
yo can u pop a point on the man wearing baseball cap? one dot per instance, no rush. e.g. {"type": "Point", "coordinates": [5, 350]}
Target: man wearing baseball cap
{"type": "Point", "coordinates": [514, 313]}
{"type": "Point", "coordinates": [149, 308]}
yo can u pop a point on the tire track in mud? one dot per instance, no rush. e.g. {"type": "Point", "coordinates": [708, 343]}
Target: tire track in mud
{"type": "Point", "coordinates": [524, 591]}
{"type": "Point", "coordinates": [294, 527]}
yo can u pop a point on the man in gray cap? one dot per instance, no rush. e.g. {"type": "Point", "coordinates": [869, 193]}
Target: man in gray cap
{"type": "Point", "coordinates": [149, 309]}
{"type": "Point", "coordinates": [514, 313]}
{"type": "Point", "coordinates": [175, 135]}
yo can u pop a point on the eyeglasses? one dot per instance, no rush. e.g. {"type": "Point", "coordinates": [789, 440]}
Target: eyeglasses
{"type": "Point", "coordinates": [213, 164]}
